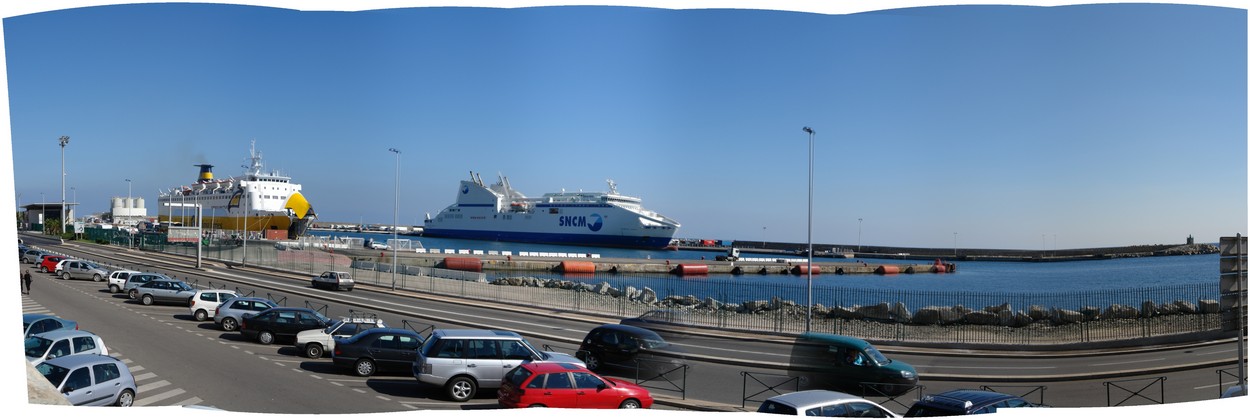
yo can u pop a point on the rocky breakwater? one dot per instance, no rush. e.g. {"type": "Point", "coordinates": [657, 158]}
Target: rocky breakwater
{"type": "Point", "coordinates": [1003, 315]}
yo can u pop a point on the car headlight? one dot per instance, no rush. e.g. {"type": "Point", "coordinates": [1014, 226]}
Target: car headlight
{"type": "Point", "coordinates": [907, 374]}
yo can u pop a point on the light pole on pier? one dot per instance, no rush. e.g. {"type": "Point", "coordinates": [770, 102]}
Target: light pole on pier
{"type": "Point", "coordinates": [811, 141]}
{"type": "Point", "coordinates": [64, 140]}
{"type": "Point", "coordinates": [956, 245]}
{"type": "Point", "coordinates": [395, 225]}
{"type": "Point", "coordinates": [765, 245]}
{"type": "Point", "coordinates": [127, 207]}
{"type": "Point", "coordinates": [859, 240]}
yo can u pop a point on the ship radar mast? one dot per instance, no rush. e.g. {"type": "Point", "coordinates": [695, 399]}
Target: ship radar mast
{"type": "Point", "coordinates": [256, 165]}
{"type": "Point", "coordinates": [611, 187]}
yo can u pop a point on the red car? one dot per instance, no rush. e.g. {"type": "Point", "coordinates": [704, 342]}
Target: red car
{"type": "Point", "coordinates": [48, 264]}
{"type": "Point", "coordinates": [565, 385]}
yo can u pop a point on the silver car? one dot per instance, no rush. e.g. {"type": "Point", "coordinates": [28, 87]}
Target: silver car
{"type": "Point", "coordinates": [138, 279]}
{"type": "Point", "coordinates": [228, 314]}
{"type": "Point", "coordinates": [91, 379]}
{"type": "Point", "coordinates": [61, 343]}
{"type": "Point", "coordinates": [117, 280]}
{"type": "Point", "coordinates": [462, 361]}
{"type": "Point", "coordinates": [334, 280]}
{"type": "Point", "coordinates": [79, 269]}
{"type": "Point", "coordinates": [822, 403]}
{"type": "Point", "coordinates": [167, 291]}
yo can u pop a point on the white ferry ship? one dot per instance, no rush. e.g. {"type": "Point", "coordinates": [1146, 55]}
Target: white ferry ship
{"type": "Point", "coordinates": [499, 213]}
{"type": "Point", "coordinates": [253, 202]}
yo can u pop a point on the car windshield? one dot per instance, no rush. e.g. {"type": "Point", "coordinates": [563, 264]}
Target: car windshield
{"type": "Point", "coordinates": [37, 346]}
{"type": "Point", "coordinates": [651, 340]}
{"type": "Point", "coordinates": [182, 286]}
{"type": "Point", "coordinates": [876, 356]}
{"type": "Point", "coordinates": [324, 319]}
{"type": "Point", "coordinates": [55, 374]}
{"type": "Point", "coordinates": [332, 327]}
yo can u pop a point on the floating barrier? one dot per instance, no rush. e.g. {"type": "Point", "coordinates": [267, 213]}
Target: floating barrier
{"type": "Point", "coordinates": [569, 267]}
{"type": "Point", "coordinates": [463, 264]}
{"type": "Point", "coordinates": [691, 269]}
{"type": "Point", "coordinates": [801, 269]}
{"type": "Point", "coordinates": [887, 269]}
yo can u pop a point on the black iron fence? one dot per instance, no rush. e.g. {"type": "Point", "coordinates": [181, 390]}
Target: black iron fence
{"type": "Point", "coordinates": [1135, 391]}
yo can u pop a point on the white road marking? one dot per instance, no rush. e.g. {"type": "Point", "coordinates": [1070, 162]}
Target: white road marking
{"type": "Point", "coordinates": [159, 397]}
{"type": "Point", "coordinates": [145, 388]}
{"type": "Point", "coordinates": [1128, 362]}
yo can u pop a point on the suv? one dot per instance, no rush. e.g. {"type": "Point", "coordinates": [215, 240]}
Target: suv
{"type": "Point", "coordinates": [848, 364]}
{"type": "Point", "coordinates": [822, 403]}
{"type": "Point", "coordinates": [965, 401]}
{"type": "Point", "coordinates": [204, 302]}
{"type": "Point", "coordinates": [334, 280]}
{"type": "Point", "coordinates": [462, 361]}
{"type": "Point", "coordinates": [167, 291]}
{"type": "Point", "coordinates": [229, 313]}
{"type": "Point", "coordinates": [117, 280]}
{"type": "Point", "coordinates": [314, 343]}
{"type": "Point", "coordinates": [82, 270]}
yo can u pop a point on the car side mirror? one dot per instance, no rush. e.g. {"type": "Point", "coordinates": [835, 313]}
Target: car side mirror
{"type": "Point", "coordinates": [602, 386]}
{"type": "Point", "coordinates": [68, 389]}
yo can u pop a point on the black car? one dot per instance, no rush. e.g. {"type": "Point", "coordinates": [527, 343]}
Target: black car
{"type": "Point", "coordinates": [378, 350]}
{"type": "Point", "coordinates": [965, 401]}
{"type": "Point", "coordinates": [271, 324]}
{"type": "Point", "coordinates": [630, 348]}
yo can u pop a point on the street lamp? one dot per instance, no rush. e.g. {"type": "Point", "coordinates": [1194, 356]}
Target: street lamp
{"type": "Point", "coordinates": [956, 245]}
{"type": "Point", "coordinates": [765, 245]}
{"type": "Point", "coordinates": [811, 141]}
{"type": "Point", "coordinates": [127, 207]}
{"type": "Point", "coordinates": [64, 141]}
{"type": "Point", "coordinates": [859, 241]}
{"type": "Point", "coordinates": [395, 225]}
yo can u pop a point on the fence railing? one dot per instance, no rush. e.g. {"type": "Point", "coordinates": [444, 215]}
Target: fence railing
{"type": "Point", "coordinates": [769, 305]}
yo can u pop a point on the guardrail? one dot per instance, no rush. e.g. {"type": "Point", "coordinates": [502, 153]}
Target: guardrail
{"type": "Point", "coordinates": [771, 383]}
{"type": "Point", "coordinates": [1136, 393]}
{"type": "Point", "coordinates": [1040, 390]}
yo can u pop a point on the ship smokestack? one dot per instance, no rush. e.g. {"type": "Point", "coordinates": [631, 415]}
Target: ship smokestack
{"type": "Point", "coordinates": [206, 172]}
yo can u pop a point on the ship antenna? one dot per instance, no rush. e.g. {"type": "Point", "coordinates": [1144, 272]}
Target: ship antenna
{"type": "Point", "coordinates": [611, 186]}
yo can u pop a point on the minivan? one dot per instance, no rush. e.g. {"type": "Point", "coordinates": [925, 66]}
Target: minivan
{"type": "Point", "coordinates": [463, 361]}
{"type": "Point", "coordinates": [848, 364]}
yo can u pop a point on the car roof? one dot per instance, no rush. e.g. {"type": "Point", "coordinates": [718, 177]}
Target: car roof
{"type": "Point", "coordinates": [475, 334]}
{"type": "Point", "coordinates": [28, 318]}
{"type": "Point", "coordinates": [215, 291]}
{"type": "Point", "coordinates": [964, 399]}
{"type": "Point", "coordinates": [541, 368]}
{"type": "Point", "coordinates": [826, 338]}
{"type": "Point", "coordinates": [251, 298]}
{"type": "Point", "coordinates": [81, 359]}
{"type": "Point", "coordinates": [803, 399]}
{"type": "Point", "coordinates": [59, 334]}
{"type": "Point", "coordinates": [627, 328]}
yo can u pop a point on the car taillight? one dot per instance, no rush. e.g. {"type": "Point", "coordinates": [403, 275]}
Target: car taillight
{"type": "Point", "coordinates": [191, 302]}
{"type": "Point", "coordinates": [338, 351]}
{"type": "Point", "coordinates": [243, 324]}
{"type": "Point", "coordinates": [216, 311]}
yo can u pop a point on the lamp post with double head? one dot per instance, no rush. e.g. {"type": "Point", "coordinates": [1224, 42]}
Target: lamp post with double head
{"type": "Point", "coordinates": [395, 224]}
{"type": "Point", "coordinates": [64, 140]}
{"type": "Point", "coordinates": [811, 141]}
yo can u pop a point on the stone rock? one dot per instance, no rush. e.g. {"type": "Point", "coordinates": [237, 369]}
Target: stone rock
{"type": "Point", "coordinates": [648, 296]}
{"type": "Point", "coordinates": [603, 288]}
{"type": "Point", "coordinates": [899, 312]}
{"type": "Point", "coordinates": [1209, 306]}
{"type": "Point", "coordinates": [614, 292]}
{"type": "Point", "coordinates": [928, 315]}
{"type": "Point", "coordinates": [1185, 307]}
{"type": "Point", "coordinates": [848, 313]}
{"type": "Point", "coordinates": [1066, 316]}
{"type": "Point", "coordinates": [1006, 306]}
{"type": "Point", "coordinates": [1149, 309]}
{"type": "Point", "coordinates": [631, 293]}
{"type": "Point", "coordinates": [1038, 312]}
{"type": "Point", "coordinates": [1168, 309]}
{"type": "Point", "coordinates": [878, 311]}
{"type": "Point", "coordinates": [1118, 311]}
{"type": "Point", "coordinates": [709, 303]}
{"type": "Point", "coordinates": [981, 318]}
{"type": "Point", "coordinates": [1091, 313]}
{"type": "Point", "coordinates": [1021, 319]}
{"type": "Point", "coordinates": [755, 306]}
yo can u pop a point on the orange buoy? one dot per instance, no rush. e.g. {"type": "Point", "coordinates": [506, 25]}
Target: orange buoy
{"type": "Point", "coordinates": [577, 267]}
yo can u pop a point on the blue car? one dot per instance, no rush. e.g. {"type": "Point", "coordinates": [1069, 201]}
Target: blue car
{"type": "Point", "coordinates": [38, 323]}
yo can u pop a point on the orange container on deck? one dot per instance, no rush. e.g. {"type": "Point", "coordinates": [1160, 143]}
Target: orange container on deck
{"type": "Point", "coordinates": [691, 269]}
{"type": "Point", "coordinates": [801, 269]}
{"type": "Point", "coordinates": [887, 269]}
{"type": "Point", "coordinates": [939, 268]}
{"type": "Point", "coordinates": [577, 266]}
{"type": "Point", "coordinates": [463, 264]}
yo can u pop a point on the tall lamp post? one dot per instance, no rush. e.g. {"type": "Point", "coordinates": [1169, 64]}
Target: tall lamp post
{"type": "Point", "coordinates": [127, 206]}
{"type": "Point", "coordinates": [956, 245]}
{"type": "Point", "coordinates": [395, 225]}
{"type": "Point", "coordinates": [859, 240]}
{"type": "Point", "coordinates": [765, 237]}
{"type": "Point", "coordinates": [811, 141]}
{"type": "Point", "coordinates": [64, 141]}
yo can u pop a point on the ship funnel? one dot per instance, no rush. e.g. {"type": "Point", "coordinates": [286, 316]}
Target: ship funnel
{"type": "Point", "coordinates": [206, 172]}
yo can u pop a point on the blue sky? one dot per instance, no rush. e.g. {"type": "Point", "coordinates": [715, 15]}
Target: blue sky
{"type": "Point", "coordinates": [1015, 126]}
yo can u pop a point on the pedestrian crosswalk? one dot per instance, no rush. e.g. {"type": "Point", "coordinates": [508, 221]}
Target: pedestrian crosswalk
{"type": "Point", "coordinates": [153, 391]}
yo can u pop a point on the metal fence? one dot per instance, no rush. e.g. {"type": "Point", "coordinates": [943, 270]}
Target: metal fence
{"type": "Point", "coordinates": [758, 305]}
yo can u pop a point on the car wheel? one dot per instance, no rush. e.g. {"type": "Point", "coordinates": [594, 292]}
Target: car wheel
{"type": "Point", "coordinates": [64, 275]}
{"type": "Point", "coordinates": [114, 289]}
{"type": "Point", "coordinates": [631, 403]}
{"type": "Point", "coordinates": [313, 351]}
{"type": "Point", "coordinates": [97, 278]}
{"type": "Point", "coordinates": [229, 324]}
{"type": "Point", "coordinates": [147, 300]}
{"type": "Point", "coordinates": [43, 269]}
{"type": "Point", "coordinates": [365, 367]}
{"type": "Point", "coordinates": [201, 315]}
{"type": "Point", "coordinates": [537, 406]}
{"type": "Point", "coordinates": [265, 337]}
{"type": "Point", "coordinates": [134, 294]}
{"type": "Point", "coordinates": [126, 399]}
{"type": "Point", "coordinates": [461, 388]}
{"type": "Point", "coordinates": [592, 361]}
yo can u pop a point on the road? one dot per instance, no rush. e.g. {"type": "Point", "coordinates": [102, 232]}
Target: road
{"type": "Point", "coordinates": [187, 362]}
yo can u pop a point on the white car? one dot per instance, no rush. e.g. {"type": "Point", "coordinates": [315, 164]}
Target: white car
{"type": "Point", "coordinates": [315, 343]}
{"type": "Point", "coordinates": [822, 403]}
{"type": "Point", "coordinates": [117, 280]}
{"type": "Point", "coordinates": [204, 302]}
{"type": "Point", "coordinates": [61, 343]}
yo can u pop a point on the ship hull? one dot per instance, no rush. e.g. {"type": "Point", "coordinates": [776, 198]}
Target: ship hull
{"type": "Point", "coordinates": [614, 241]}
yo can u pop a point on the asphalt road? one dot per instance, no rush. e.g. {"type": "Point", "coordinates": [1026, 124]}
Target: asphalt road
{"type": "Point", "coordinates": [189, 362]}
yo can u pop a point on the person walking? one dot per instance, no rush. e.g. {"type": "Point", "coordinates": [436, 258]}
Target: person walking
{"type": "Point", "coordinates": [26, 280]}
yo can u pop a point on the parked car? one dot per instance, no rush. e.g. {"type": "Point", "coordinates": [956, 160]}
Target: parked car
{"type": "Point", "coordinates": [117, 280]}
{"type": "Point", "coordinates": [564, 385]}
{"type": "Point", "coordinates": [91, 379]}
{"type": "Point", "coordinates": [462, 361]}
{"type": "Point", "coordinates": [281, 323]}
{"type": "Point", "coordinates": [61, 343]}
{"type": "Point", "coordinates": [659, 318]}
{"type": "Point", "coordinates": [205, 302]}
{"type": "Point", "coordinates": [314, 343]}
{"type": "Point", "coordinates": [377, 350]}
{"type": "Point", "coordinates": [39, 323]}
{"type": "Point", "coordinates": [633, 348]}
{"type": "Point", "coordinates": [47, 263]}
{"type": "Point", "coordinates": [334, 280]}
{"type": "Point", "coordinates": [964, 401]}
{"type": "Point", "coordinates": [138, 279]}
{"type": "Point", "coordinates": [31, 256]}
{"type": "Point", "coordinates": [165, 291]}
{"type": "Point", "coordinates": [848, 364]}
{"type": "Point", "coordinates": [79, 269]}
{"type": "Point", "coordinates": [822, 403]}
{"type": "Point", "coordinates": [230, 312]}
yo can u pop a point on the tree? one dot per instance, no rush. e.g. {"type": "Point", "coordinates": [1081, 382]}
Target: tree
{"type": "Point", "coordinates": [51, 226]}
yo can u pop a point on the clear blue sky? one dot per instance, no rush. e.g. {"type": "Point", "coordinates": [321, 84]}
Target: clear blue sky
{"type": "Point", "coordinates": [1017, 127]}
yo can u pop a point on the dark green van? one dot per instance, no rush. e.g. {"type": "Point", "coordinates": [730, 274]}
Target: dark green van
{"type": "Point", "coordinates": [848, 364]}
